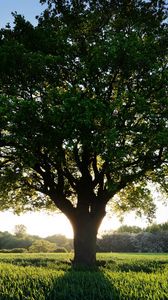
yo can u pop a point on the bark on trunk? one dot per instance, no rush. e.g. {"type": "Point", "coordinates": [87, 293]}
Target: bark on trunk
{"type": "Point", "coordinates": [85, 235]}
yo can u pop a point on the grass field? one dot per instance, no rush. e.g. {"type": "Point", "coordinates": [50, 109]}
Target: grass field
{"type": "Point", "coordinates": [50, 277]}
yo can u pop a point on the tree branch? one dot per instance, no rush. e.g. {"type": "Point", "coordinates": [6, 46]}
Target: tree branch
{"type": "Point", "coordinates": [77, 159]}
{"type": "Point", "coordinates": [73, 182]}
{"type": "Point", "coordinates": [94, 165]}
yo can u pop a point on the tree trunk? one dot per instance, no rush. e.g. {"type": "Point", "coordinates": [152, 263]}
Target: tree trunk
{"type": "Point", "coordinates": [85, 235]}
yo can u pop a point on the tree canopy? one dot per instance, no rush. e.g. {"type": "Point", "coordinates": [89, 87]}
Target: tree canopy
{"type": "Point", "coordinates": [84, 107]}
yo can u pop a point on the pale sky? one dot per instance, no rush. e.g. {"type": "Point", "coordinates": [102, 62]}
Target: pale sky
{"type": "Point", "coordinates": [28, 8]}
{"type": "Point", "coordinates": [40, 223]}
{"type": "Point", "coordinates": [44, 224]}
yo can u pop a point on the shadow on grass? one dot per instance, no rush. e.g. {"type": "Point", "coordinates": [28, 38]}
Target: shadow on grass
{"type": "Point", "coordinates": [95, 284]}
{"type": "Point", "coordinates": [55, 264]}
{"type": "Point", "coordinates": [81, 285]}
{"type": "Point", "coordinates": [147, 266]}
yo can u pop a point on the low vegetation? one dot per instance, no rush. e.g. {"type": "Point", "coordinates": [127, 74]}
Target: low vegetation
{"type": "Point", "coordinates": [21, 241]}
{"type": "Point", "coordinates": [50, 277]}
{"type": "Point", "coordinates": [153, 238]}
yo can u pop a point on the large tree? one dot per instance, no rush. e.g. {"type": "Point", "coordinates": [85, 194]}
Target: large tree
{"type": "Point", "coordinates": [84, 111]}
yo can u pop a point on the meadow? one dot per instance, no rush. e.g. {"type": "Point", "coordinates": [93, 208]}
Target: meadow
{"type": "Point", "coordinates": [50, 277]}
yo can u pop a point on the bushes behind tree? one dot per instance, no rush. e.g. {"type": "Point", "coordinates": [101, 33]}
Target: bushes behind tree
{"type": "Point", "coordinates": [153, 239]}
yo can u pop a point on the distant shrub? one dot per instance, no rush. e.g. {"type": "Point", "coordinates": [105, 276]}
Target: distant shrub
{"type": "Point", "coordinates": [42, 246]}
{"type": "Point", "coordinates": [60, 250]}
{"type": "Point", "coordinates": [14, 250]}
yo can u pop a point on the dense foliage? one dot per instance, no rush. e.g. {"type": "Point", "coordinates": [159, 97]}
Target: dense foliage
{"type": "Point", "coordinates": [55, 243]}
{"type": "Point", "coordinates": [122, 278]}
{"type": "Point", "coordinates": [83, 104]}
{"type": "Point", "coordinates": [131, 242]}
{"type": "Point", "coordinates": [153, 238]}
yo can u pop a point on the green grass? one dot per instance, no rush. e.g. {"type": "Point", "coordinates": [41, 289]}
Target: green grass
{"type": "Point", "coordinates": [50, 277]}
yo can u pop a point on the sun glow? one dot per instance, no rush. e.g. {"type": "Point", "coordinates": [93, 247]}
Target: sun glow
{"type": "Point", "coordinates": [37, 223]}
{"type": "Point", "coordinates": [45, 224]}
